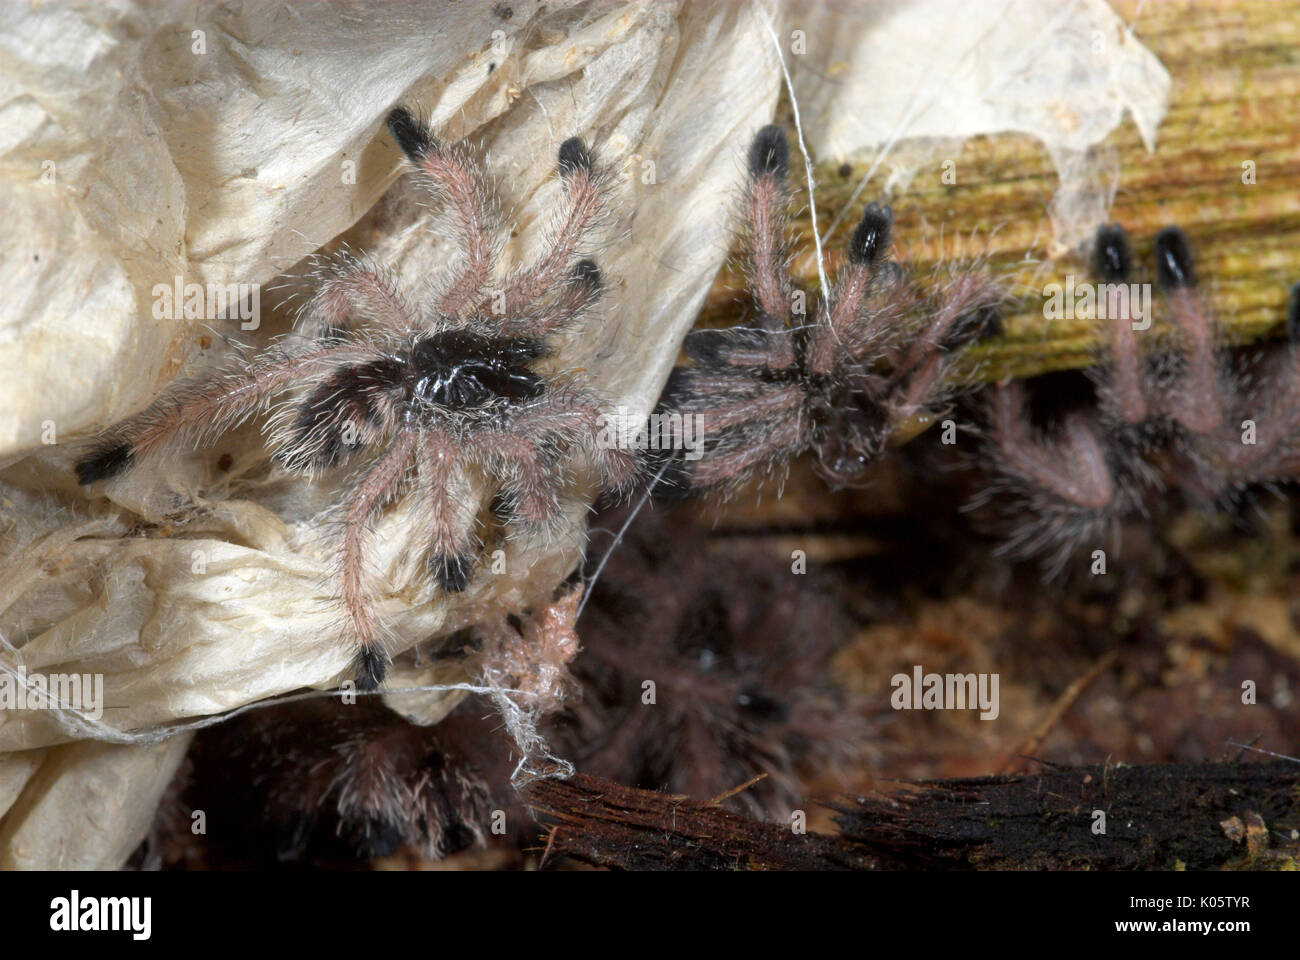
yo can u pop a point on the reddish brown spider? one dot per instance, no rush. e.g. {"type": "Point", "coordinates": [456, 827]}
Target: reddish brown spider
{"type": "Point", "coordinates": [1223, 422]}
{"type": "Point", "coordinates": [439, 387]}
{"type": "Point", "coordinates": [872, 360]}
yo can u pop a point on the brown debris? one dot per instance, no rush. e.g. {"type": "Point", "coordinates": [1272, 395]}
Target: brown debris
{"type": "Point", "coordinates": [531, 654]}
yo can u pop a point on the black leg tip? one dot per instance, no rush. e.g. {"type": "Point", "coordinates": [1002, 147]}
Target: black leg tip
{"type": "Point", "coordinates": [371, 668]}
{"type": "Point", "coordinates": [411, 135]}
{"type": "Point", "coordinates": [870, 239]}
{"type": "Point", "coordinates": [573, 157]}
{"type": "Point", "coordinates": [1112, 258]}
{"type": "Point", "coordinates": [1174, 265]}
{"type": "Point", "coordinates": [107, 461]}
{"type": "Point", "coordinates": [770, 153]}
{"type": "Point", "coordinates": [587, 274]}
{"type": "Point", "coordinates": [452, 573]}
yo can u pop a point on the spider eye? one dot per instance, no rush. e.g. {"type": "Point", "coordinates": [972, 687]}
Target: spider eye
{"type": "Point", "coordinates": [849, 467]}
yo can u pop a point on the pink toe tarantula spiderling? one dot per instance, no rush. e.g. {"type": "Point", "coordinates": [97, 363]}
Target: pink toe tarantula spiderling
{"type": "Point", "coordinates": [1192, 415]}
{"type": "Point", "coordinates": [873, 359]}
{"type": "Point", "coordinates": [430, 390]}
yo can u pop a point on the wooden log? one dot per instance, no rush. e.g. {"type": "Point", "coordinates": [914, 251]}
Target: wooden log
{"type": "Point", "coordinates": [1156, 817]}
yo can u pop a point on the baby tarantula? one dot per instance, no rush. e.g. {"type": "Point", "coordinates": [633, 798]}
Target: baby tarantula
{"type": "Point", "coordinates": [318, 781]}
{"type": "Point", "coordinates": [445, 385]}
{"type": "Point", "coordinates": [1192, 415]}
{"type": "Point", "coordinates": [871, 362]}
{"type": "Point", "coordinates": [740, 654]}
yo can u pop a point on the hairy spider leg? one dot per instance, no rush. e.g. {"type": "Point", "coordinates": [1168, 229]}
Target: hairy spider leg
{"type": "Point", "coordinates": [452, 180]}
{"type": "Point", "coordinates": [920, 371]}
{"type": "Point", "coordinates": [1074, 468]}
{"type": "Point", "coordinates": [1197, 402]}
{"type": "Point", "coordinates": [777, 441]}
{"type": "Point", "coordinates": [577, 171]}
{"type": "Point", "coordinates": [573, 418]}
{"type": "Point", "coordinates": [766, 200]}
{"type": "Point", "coordinates": [354, 287]}
{"type": "Point", "coordinates": [1124, 389]}
{"type": "Point", "coordinates": [518, 458]}
{"type": "Point", "coordinates": [578, 293]}
{"type": "Point", "coordinates": [376, 487]}
{"type": "Point", "coordinates": [867, 247]}
{"type": "Point", "coordinates": [213, 409]}
{"type": "Point", "coordinates": [449, 519]}
{"type": "Point", "coordinates": [1071, 492]}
